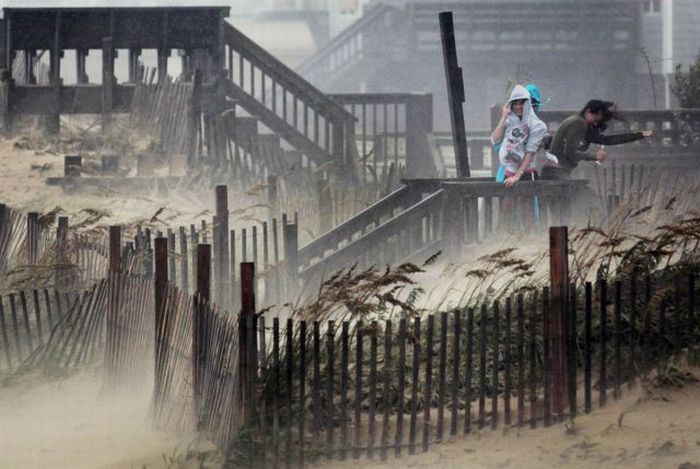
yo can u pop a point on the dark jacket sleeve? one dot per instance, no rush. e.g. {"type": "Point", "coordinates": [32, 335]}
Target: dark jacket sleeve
{"type": "Point", "coordinates": [619, 139]}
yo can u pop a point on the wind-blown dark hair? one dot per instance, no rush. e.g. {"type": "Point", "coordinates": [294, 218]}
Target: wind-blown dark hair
{"type": "Point", "coordinates": [607, 108]}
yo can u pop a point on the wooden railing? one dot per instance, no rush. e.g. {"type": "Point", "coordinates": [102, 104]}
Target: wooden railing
{"type": "Point", "coordinates": [285, 102]}
{"type": "Point", "coordinates": [361, 223]}
{"type": "Point", "coordinates": [398, 238]}
{"type": "Point", "coordinates": [345, 49]}
{"type": "Point", "coordinates": [456, 212]}
{"type": "Point", "coordinates": [480, 152]}
{"type": "Point", "coordinates": [391, 132]}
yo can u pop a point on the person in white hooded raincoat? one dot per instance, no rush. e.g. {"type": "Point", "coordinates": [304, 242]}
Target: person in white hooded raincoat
{"type": "Point", "coordinates": [519, 133]}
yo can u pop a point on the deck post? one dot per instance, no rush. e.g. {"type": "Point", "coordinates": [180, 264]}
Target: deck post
{"type": "Point", "coordinates": [201, 329]}
{"type": "Point", "coordinates": [419, 124]}
{"type": "Point", "coordinates": [161, 294]}
{"type": "Point", "coordinates": [248, 345]}
{"type": "Point", "coordinates": [455, 93]}
{"type": "Point", "coordinates": [81, 66]}
{"type": "Point", "coordinates": [453, 221]}
{"type": "Point", "coordinates": [291, 255]}
{"type": "Point", "coordinates": [5, 94]}
{"type": "Point", "coordinates": [53, 119]}
{"type": "Point", "coordinates": [111, 336]}
{"type": "Point", "coordinates": [221, 231]}
{"type": "Point", "coordinates": [557, 327]}
{"type": "Point", "coordinates": [134, 54]}
{"type": "Point", "coordinates": [107, 83]}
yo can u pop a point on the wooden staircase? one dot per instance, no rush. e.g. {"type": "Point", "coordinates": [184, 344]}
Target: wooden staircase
{"type": "Point", "coordinates": [426, 216]}
{"type": "Point", "coordinates": [266, 119]}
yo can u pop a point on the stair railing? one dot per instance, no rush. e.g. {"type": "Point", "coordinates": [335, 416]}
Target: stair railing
{"type": "Point", "coordinates": [303, 108]}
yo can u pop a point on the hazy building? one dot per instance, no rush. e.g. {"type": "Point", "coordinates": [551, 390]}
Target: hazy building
{"type": "Point", "coordinates": [574, 49]}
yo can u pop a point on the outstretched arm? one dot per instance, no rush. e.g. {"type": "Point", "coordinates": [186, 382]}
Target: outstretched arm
{"type": "Point", "coordinates": [617, 139]}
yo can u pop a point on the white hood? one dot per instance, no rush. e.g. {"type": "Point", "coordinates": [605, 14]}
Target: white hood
{"type": "Point", "coordinates": [518, 93]}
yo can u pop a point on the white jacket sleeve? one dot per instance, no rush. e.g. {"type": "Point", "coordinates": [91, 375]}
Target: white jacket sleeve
{"type": "Point", "coordinates": [537, 133]}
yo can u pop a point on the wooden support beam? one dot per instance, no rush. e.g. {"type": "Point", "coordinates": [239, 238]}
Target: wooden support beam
{"type": "Point", "coordinates": [163, 55]}
{"type": "Point", "coordinates": [161, 295]}
{"type": "Point", "coordinates": [453, 221]}
{"type": "Point", "coordinates": [455, 93]}
{"type": "Point", "coordinates": [200, 327]}
{"type": "Point", "coordinates": [29, 60]}
{"type": "Point", "coordinates": [248, 345]}
{"type": "Point", "coordinates": [5, 94]}
{"type": "Point", "coordinates": [81, 66]}
{"type": "Point", "coordinates": [419, 124]}
{"type": "Point", "coordinates": [113, 301]}
{"type": "Point", "coordinates": [221, 230]}
{"type": "Point", "coordinates": [558, 307]}
{"type": "Point", "coordinates": [108, 82]}
{"type": "Point", "coordinates": [53, 119]}
{"type": "Point", "coordinates": [134, 55]}
{"type": "Point", "coordinates": [9, 46]}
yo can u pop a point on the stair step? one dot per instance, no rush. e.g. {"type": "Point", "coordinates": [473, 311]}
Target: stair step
{"type": "Point", "coordinates": [276, 124]}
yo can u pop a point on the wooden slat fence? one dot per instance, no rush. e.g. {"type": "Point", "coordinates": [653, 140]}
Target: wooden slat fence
{"type": "Point", "coordinates": [336, 390]}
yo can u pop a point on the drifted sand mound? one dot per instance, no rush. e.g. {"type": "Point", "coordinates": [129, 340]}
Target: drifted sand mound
{"type": "Point", "coordinates": [658, 429]}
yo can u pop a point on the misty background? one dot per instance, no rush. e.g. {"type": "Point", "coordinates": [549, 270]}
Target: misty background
{"type": "Point", "coordinates": [622, 50]}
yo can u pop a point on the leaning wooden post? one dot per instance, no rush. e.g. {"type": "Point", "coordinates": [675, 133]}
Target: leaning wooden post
{"type": "Point", "coordinates": [107, 82]}
{"type": "Point", "coordinates": [221, 243]}
{"type": "Point", "coordinates": [455, 93]}
{"type": "Point", "coordinates": [200, 327]}
{"type": "Point", "coordinates": [161, 294]}
{"type": "Point", "coordinates": [248, 346]}
{"type": "Point", "coordinates": [32, 237]}
{"type": "Point", "coordinates": [559, 301]}
{"type": "Point", "coordinates": [291, 255]}
{"type": "Point", "coordinates": [115, 234]}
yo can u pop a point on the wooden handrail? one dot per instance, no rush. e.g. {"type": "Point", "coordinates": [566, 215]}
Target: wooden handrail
{"type": "Point", "coordinates": [356, 248]}
{"type": "Point", "coordinates": [282, 74]}
{"type": "Point", "coordinates": [374, 14]}
{"type": "Point", "coordinates": [347, 229]}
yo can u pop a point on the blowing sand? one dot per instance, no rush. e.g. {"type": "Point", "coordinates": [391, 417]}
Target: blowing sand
{"type": "Point", "coordinates": [68, 423]}
{"type": "Point", "coordinates": [657, 431]}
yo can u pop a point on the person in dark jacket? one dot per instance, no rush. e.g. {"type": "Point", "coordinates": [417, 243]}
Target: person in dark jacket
{"type": "Point", "coordinates": [577, 132]}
